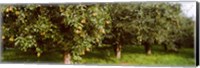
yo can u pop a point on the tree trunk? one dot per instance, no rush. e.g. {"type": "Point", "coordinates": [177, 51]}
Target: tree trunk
{"type": "Point", "coordinates": [67, 58]}
{"type": "Point", "coordinates": [147, 49]}
{"type": "Point", "coordinates": [118, 51]}
{"type": "Point", "coordinates": [177, 46]}
{"type": "Point", "coordinates": [174, 48]}
{"type": "Point", "coordinates": [165, 47]}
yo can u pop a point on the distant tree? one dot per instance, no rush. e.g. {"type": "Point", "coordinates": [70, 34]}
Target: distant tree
{"type": "Point", "coordinates": [122, 32]}
{"type": "Point", "coordinates": [142, 23]}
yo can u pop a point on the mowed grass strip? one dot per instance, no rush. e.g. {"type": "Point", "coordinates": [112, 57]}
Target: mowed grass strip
{"type": "Point", "coordinates": [131, 55]}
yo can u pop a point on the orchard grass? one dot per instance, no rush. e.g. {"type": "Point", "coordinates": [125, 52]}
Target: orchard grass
{"type": "Point", "coordinates": [131, 55]}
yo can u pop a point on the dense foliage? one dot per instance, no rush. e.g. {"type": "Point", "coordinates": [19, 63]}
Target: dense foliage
{"type": "Point", "coordinates": [68, 28]}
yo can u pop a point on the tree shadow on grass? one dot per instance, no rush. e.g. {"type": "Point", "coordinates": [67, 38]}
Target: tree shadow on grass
{"type": "Point", "coordinates": [16, 56]}
{"type": "Point", "coordinates": [183, 52]}
{"type": "Point", "coordinates": [104, 54]}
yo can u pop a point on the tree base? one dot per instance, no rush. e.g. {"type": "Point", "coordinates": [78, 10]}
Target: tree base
{"type": "Point", "coordinates": [118, 51]}
{"type": "Point", "coordinates": [67, 58]}
{"type": "Point", "coordinates": [147, 49]}
{"type": "Point", "coordinates": [149, 52]}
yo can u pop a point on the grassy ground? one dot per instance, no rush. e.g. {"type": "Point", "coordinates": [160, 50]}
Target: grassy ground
{"type": "Point", "coordinates": [130, 56]}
